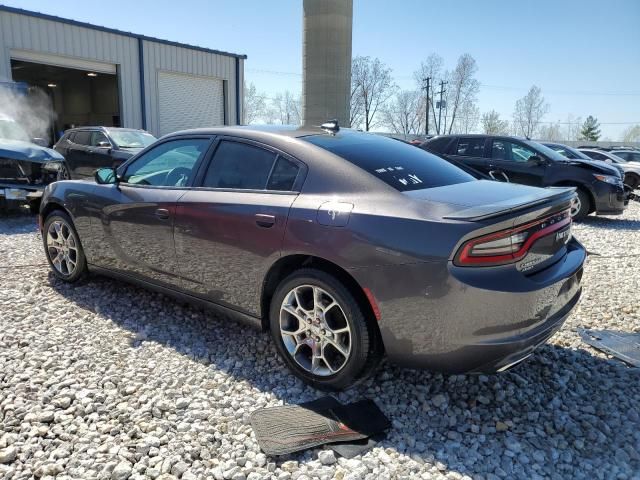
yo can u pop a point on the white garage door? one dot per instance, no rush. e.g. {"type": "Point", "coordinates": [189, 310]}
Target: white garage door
{"type": "Point", "coordinates": [187, 101]}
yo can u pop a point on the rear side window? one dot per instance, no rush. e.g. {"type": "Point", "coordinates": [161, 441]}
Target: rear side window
{"type": "Point", "coordinates": [400, 165]}
{"type": "Point", "coordinates": [247, 167]}
{"type": "Point", "coordinates": [470, 147]}
{"type": "Point", "coordinates": [284, 174]}
{"type": "Point", "coordinates": [82, 138]}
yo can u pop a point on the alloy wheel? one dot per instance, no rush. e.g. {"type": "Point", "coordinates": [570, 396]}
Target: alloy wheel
{"type": "Point", "coordinates": [63, 173]}
{"type": "Point", "coordinates": [62, 247]}
{"type": "Point", "coordinates": [576, 205]}
{"type": "Point", "coordinates": [315, 330]}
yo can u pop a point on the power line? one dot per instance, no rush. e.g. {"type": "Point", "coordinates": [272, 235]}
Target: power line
{"type": "Point", "coordinates": [485, 85]}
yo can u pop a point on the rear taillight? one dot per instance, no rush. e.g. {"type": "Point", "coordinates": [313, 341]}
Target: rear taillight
{"type": "Point", "coordinates": [512, 245]}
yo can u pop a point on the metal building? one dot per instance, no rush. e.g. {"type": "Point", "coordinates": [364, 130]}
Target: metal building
{"type": "Point", "coordinates": [101, 76]}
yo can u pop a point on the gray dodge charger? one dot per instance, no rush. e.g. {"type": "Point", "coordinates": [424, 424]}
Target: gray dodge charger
{"type": "Point", "coordinates": [345, 246]}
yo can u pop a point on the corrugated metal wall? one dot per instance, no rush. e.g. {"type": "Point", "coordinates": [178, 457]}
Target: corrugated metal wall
{"type": "Point", "coordinates": [31, 32]}
{"type": "Point", "coordinates": [23, 32]}
{"type": "Point", "coordinates": [168, 58]}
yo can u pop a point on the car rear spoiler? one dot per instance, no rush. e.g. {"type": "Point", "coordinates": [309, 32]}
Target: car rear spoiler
{"type": "Point", "coordinates": [483, 212]}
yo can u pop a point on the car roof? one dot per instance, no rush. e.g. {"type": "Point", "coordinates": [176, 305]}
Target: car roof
{"type": "Point", "coordinates": [101, 128]}
{"type": "Point", "coordinates": [265, 131]}
{"type": "Point", "coordinates": [478, 135]}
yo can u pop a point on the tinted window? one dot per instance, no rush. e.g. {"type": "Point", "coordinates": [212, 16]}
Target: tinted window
{"type": "Point", "coordinates": [283, 176]}
{"type": "Point", "coordinates": [169, 164]}
{"type": "Point", "coordinates": [97, 137]}
{"type": "Point", "coordinates": [239, 165]}
{"type": "Point", "coordinates": [596, 155]}
{"type": "Point", "coordinates": [510, 151]}
{"type": "Point", "coordinates": [470, 147]}
{"type": "Point", "coordinates": [82, 138]}
{"type": "Point", "coordinates": [438, 144]}
{"type": "Point", "coordinates": [398, 164]}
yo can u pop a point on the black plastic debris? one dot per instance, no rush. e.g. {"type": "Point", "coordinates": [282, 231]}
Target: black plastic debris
{"type": "Point", "coordinates": [292, 428]}
{"type": "Point", "coordinates": [622, 345]}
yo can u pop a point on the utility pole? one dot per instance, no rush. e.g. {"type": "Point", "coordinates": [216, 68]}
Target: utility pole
{"type": "Point", "coordinates": [442, 84]}
{"type": "Point", "coordinates": [426, 125]}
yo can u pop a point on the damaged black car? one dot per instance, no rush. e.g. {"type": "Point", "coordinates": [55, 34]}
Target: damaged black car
{"type": "Point", "coordinates": [26, 166]}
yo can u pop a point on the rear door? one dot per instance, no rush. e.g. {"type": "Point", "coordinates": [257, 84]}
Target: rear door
{"type": "Point", "coordinates": [470, 151]}
{"type": "Point", "coordinates": [510, 161]}
{"type": "Point", "coordinates": [134, 229]}
{"type": "Point", "coordinates": [231, 225]}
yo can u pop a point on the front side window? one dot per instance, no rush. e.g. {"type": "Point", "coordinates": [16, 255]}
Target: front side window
{"type": "Point", "coordinates": [509, 151]}
{"type": "Point", "coordinates": [470, 147]}
{"type": "Point", "coordinates": [170, 164]}
{"type": "Point", "coordinates": [239, 165]}
{"type": "Point", "coordinates": [97, 138]}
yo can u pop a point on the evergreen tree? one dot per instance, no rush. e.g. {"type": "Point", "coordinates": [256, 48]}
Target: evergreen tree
{"type": "Point", "coordinates": [590, 129]}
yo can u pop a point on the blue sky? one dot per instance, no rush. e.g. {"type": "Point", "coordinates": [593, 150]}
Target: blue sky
{"type": "Point", "coordinates": [585, 55]}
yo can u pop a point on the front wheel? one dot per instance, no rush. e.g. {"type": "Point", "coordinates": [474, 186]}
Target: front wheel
{"type": "Point", "coordinates": [321, 332]}
{"type": "Point", "coordinates": [581, 205]}
{"type": "Point", "coordinates": [63, 248]}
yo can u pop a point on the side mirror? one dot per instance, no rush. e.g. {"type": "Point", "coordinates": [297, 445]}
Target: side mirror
{"type": "Point", "coordinates": [104, 144]}
{"type": "Point", "coordinates": [537, 160]}
{"type": "Point", "coordinates": [40, 141]}
{"type": "Point", "coordinates": [106, 176]}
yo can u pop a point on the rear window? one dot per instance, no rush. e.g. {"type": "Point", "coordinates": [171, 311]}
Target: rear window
{"type": "Point", "coordinates": [400, 165]}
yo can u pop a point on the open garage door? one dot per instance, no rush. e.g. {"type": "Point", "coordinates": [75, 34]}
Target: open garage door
{"type": "Point", "coordinates": [188, 101]}
{"type": "Point", "coordinates": [80, 92]}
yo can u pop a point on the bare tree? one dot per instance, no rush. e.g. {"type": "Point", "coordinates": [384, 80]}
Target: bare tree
{"type": "Point", "coordinates": [373, 85]}
{"type": "Point", "coordinates": [404, 114]}
{"type": "Point", "coordinates": [492, 125]}
{"type": "Point", "coordinates": [551, 132]}
{"type": "Point", "coordinates": [356, 110]}
{"type": "Point", "coordinates": [467, 118]}
{"type": "Point", "coordinates": [286, 108]}
{"type": "Point", "coordinates": [462, 87]}
{"type": "Point", "coordinates": [529, 111]}
{"type": "Point", "coordinates": [631, 134]}
{"type": "Point", "coordinates": [572, 130]}
{"type": "Point", "coordinates": [254, 104]}
{"type": "Point", "coordinates": [430, 68]}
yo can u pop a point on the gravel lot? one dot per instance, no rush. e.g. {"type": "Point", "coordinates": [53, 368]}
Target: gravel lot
{"type": "Point", "coordinates": [105, 380]}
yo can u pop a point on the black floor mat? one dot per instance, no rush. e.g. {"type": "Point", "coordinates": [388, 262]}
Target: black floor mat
{"type": "Point", "coordinates": [288, 429]}
{"type": "Point", "coordinates": [622, 345]}
{"type": "Point", "coordinates": [356, 447]}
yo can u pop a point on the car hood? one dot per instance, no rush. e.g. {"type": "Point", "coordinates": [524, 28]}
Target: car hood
{"type": "Point", "coordinates": [27, 151]}
{"type": "Point", "coordinates": [485, 198]}
{"type": "Point", "coordinates": [597, 166]}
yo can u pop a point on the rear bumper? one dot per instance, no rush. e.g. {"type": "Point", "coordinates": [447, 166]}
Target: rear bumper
{"type": "Point", "coordinates": [459, 320]}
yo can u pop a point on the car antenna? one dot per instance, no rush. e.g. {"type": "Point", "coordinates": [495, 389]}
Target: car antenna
{"type": "Point", "coordinates": [331, 126]}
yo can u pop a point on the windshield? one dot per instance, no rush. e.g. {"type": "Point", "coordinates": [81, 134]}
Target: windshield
{"type": "Point", "coordinates": [131, 139]}
{"type": "Point", "coordinates": [10, 130]}
{"type": "Point", "coordinates": [546, 151]}
{"type": "Point", "coordinates": [398, 164]}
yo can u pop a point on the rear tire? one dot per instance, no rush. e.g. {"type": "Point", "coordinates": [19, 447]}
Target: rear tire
{"type": "Point", "coordinates": [62, 247]}
{"type": "Point", "coordinates": [582, 207]}
{"type": "Point", "coordinates": [321, 332]}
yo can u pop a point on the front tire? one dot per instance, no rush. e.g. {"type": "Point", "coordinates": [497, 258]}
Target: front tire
{"type": "Point", "coordinates": [582, 205]}
{"type": "Point", "coordinates": [321, 331]}
{"type": "Point", "coordinates": [63, 248]}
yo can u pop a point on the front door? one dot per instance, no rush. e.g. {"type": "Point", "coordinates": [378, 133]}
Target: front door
{"type": "Point", "coordinates": [99, 152]}
{"type": "Point", "coordinates": [231, 227]}
{"type": "Point", "coordinates": [512, 161]}
{"type": "Point", "coordinates": [136, 217]}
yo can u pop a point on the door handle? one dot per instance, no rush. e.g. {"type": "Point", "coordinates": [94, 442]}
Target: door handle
{"type": "Point", "coordinates": [162, 213]}
{"type": "Point", "coordinates": [265, 221]}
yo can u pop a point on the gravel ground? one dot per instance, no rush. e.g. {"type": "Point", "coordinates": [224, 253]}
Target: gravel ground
{"type": "Point", "coordinates": [105, 380]}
